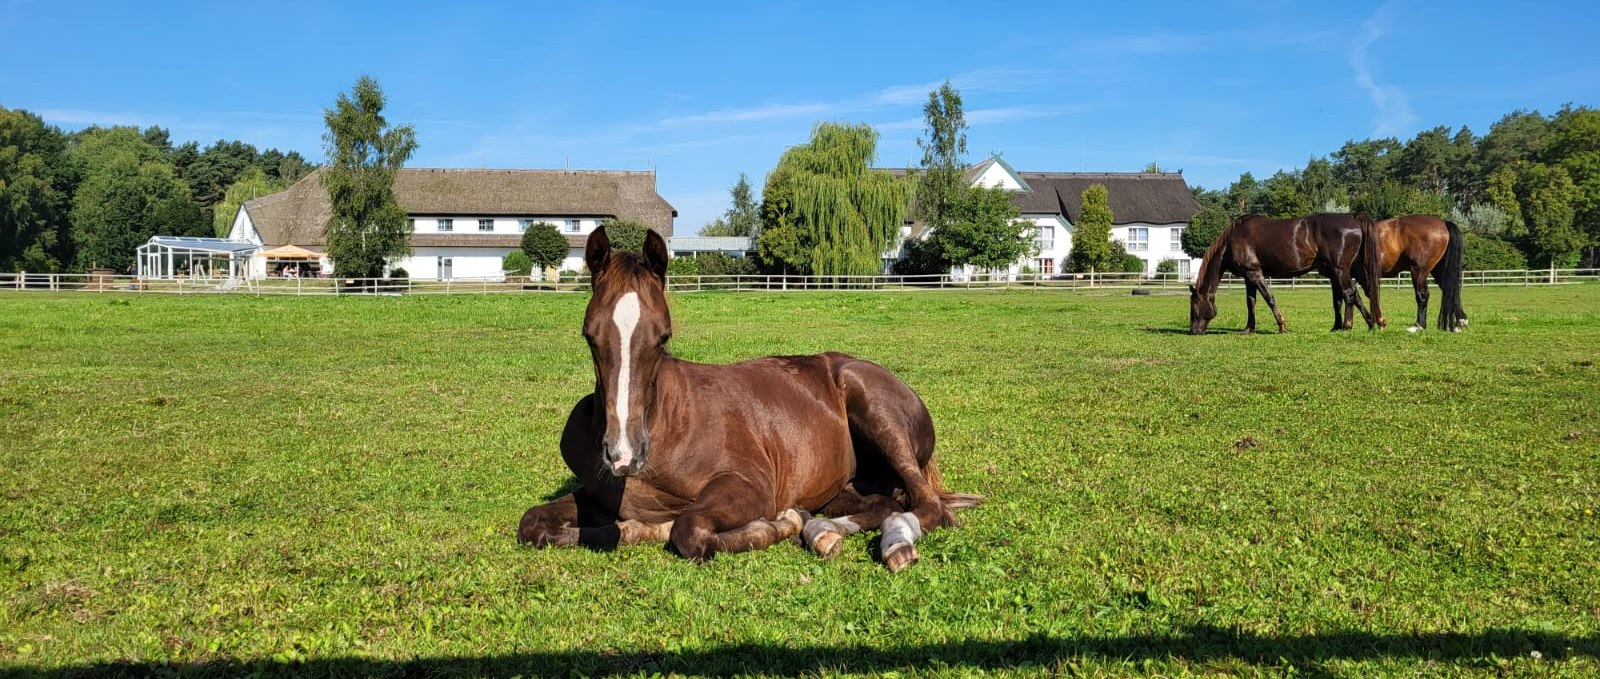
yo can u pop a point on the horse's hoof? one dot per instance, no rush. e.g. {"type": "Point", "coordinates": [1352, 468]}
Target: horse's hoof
{"type": "Point", "coordinates": [828, 545]}
{"type": "Point", "coordinates": [899, 557]}
{"type": "Point", "coordinates": [823, 537]}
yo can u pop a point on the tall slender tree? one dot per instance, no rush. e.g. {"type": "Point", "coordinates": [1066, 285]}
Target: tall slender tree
{"type": "Point", "coordinates": [1091, 240]}
{"type": "Point", "coordinates": [367, 229]}
{"type": "Point", "coordinates": [942, 182]}
{"type": "Point", "coordinates": [826, 211]}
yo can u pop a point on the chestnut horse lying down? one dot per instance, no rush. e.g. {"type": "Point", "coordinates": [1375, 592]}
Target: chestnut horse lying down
{"type": "Point", "coordinates": [726, 458]}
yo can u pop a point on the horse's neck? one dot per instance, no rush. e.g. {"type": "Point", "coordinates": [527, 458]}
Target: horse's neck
{"type": "Point", "coordinates": [1211, 270]}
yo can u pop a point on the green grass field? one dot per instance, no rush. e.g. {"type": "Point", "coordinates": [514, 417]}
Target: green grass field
{"type": "Point", "coordinates": [330, 486]}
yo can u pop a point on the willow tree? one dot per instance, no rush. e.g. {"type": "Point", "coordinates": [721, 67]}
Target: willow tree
{"type": "Point", "coordinates": [825, 211]}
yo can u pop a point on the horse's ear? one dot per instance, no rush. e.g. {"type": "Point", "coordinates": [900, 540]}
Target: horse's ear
{"type": "Point", "coordinates": [597, 251]}
{"type": "Point", "coordinates": [1193, 291]}
{"type": "Point", "coordinates": [655, 253]}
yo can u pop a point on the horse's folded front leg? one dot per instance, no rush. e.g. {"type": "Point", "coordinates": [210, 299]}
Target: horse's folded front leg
{"type": "Point", "coordinates": [554, 524]}
{"type": "Point", "coordinates": [559, 524]}
{"type": "Point", "coordinates": [729, 516]}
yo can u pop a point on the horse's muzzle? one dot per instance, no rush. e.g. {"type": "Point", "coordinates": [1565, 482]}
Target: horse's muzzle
{"type": "Point", "coordinates": [626, 460]}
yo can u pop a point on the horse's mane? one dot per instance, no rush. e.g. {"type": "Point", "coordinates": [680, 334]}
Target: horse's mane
{"type": "Point", "coordinates": [624, 263]}
{"type": "Point", "coordinates": [1214, 253]}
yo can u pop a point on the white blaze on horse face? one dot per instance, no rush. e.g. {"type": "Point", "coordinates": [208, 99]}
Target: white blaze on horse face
{"type": "Point", "coordinates": [626, 315]}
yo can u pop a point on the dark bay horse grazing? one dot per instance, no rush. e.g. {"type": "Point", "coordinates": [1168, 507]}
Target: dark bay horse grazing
{"type": "Point", "coordinates": [727, 458]}
{"type": "Point", "coordinates": [1256, 248]}
{"type": "Point", "coordinates": [1422, 245]}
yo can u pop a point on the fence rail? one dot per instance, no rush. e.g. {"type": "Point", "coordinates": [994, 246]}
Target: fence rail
{"type": "Point", "coordinates": [343, 286]}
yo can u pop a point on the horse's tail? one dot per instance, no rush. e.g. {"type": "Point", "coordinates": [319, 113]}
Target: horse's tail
{"type": "Point", "coordinates": [1371, 262]}
{"type": "Point", "coordinates": [951, 500]}
{"type": "Point", "coordinates": [1448, 273]}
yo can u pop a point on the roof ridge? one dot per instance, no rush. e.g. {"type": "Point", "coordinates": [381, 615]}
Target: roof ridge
{"type": "Point", "coordinates": [1120, 175]}
{"type": "Point", "coordinates": [510, 170]}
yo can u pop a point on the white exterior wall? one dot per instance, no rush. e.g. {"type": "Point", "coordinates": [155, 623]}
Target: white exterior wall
{"type": "Point", "coordinates": [467, 225]}
{"type": "Point", "coordinates": [464, 262]}
{"type": "Point", "coordinates": [481, 262]}
{"type": "Point", "coordinates": [1161, 245]}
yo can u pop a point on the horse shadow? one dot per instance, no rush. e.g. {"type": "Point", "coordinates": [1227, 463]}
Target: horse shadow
{"type": "Point", "coordinates": [1308, 654]}
{"type": "Point", "coordinates": [1184, 331]}
{"type": "Point", "coordinates": [566, 488]}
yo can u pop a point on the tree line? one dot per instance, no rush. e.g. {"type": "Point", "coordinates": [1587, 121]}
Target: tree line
{"type": "Point", "coordinates": [1527, 193]}
{"type": "Point", "coordinates": [70, 201]}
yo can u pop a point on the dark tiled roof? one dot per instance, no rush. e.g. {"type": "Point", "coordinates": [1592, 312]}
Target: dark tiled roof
{"type": "Point", "coordinates": [1149, 197]}
{"type": "Point", "coordinates": [299, 215]}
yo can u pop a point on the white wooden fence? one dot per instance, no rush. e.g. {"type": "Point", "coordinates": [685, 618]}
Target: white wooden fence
{"type": "Point", "coordinates": [102, 283]}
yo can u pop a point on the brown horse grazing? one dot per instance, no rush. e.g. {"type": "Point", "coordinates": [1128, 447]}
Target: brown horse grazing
{"type": "Point", "coordinates": [1256, 248]}
{"type": "Point", "coordinates": [726, 458]}
{"type": "Point", "coordinates": [1421, 244]}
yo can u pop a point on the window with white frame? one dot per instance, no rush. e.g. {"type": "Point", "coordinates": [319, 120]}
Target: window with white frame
{"type": "Point", "coordinates": [1183, 268]}
{"type": "Point", "coordinates": [1138, 239]}
{"type": "Point", "coordinates": [1045, 265]}
{"type": "Point", "coordinates": [574, 225]}
{"type": "Point", "coordinates": [1177, 238]}
{"type": "Point", "coordinates": [486, 225]}
{"type": "Point", "coordinates": [522, 225]}
{"type": "Point", "coordinates": [446, 225]}
{"type": "Point", "coordinates": [1046, 239]}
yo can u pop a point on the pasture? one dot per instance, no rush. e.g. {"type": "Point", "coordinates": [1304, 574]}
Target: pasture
{"type": "Point", "coordinates": [221, 485]}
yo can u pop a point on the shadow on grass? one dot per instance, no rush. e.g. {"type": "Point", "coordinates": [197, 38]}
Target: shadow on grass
{"type": "Point", "coordinates": [566, 488]}
{"type": "Point", "coordinates": [1202, 643]}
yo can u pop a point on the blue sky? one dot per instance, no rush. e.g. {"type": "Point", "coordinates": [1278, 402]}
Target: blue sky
{"type": "Point", "coordinates": [701, 92]}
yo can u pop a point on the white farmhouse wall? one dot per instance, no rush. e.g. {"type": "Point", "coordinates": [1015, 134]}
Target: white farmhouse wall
{"type": "Point", "coordinates": [1162, 244]}
{"type": "Point", "coordinates": [468, 224]}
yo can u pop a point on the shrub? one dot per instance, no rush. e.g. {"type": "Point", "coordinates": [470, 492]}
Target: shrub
{"type": "Point", "coordinates": [516, 263]}
{"type": "Point", "coordinates": [719, 264]}
{"type": "Point", "coordinates": [400, 273]}
{"type": "Point", "coordinates": [625, 236]}
{"type": "Point", "coordinates": [920, 258]}
{"type": "Point", "coordinates": [544, 246]}
{"type": "Point", "coordinates": [1123, 261]}
{"type": "Point", "coordinates": [683, 266]}
{"type": "Point", "coordinates": [1487, 253]}
{"type": "Point", "coordinates": [1168, 265]}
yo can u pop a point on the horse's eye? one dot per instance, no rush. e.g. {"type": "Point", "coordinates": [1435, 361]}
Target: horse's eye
{"type": "Point", "coordinates": [664, 339]}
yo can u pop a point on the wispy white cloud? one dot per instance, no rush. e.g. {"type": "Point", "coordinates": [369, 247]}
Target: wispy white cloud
{"type": "Point", "coordinates": [900, 125]}
{"type": "Point", "coordinates": [1006, 114]}
{"type": "Point", "coordinates": [899, 95]}
{"type": "Point", "coordinates": [890, 97]}
{"type": "Point", "coordinates": [1394, 110]}
{"type": "Point", "coordinates": [753, 113]}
